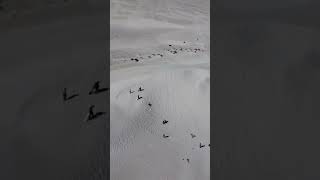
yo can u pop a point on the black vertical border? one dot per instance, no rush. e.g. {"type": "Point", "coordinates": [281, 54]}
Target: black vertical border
{"type": "Point", "coordinates": [290, 148]}
{"type": "Point", "coordinates": [11, 149]}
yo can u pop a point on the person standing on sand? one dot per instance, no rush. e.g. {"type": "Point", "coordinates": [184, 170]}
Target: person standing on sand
{"type": "Point", "coordinates": [95, 88]}
{"type": "Point", "coordinates": [91, 113]}
{"type": "Point", "coordinates": [65, 97]}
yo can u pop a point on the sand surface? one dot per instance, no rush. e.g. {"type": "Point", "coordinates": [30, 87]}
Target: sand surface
{"type": "Point", "coordinates": [162, 47]}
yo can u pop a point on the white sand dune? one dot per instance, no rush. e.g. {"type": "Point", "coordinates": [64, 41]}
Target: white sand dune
{"type": "Point", "coordinates": [176, 84]}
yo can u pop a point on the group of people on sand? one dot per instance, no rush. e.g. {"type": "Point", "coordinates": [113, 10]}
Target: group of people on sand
{"type": "Point", "coordinates": [96, 89]}
{"type": "Point", "coordinates": [164, 122]}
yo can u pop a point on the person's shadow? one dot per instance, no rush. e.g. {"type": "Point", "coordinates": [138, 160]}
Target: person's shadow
{"type": "Point", "coordinates": [66, 97]}
{"type": "Point", "coordinates": [96, 88]}
{"type": "Point", "coordinates": [93, 115]}
{"type": "Point", "coordinates": [101, 90]}
{"type": "Point", "coordinates": [72, 96]}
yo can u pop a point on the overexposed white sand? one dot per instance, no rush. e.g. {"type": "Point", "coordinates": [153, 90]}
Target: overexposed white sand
{"type": "Point", "coordinates": [177, 86]}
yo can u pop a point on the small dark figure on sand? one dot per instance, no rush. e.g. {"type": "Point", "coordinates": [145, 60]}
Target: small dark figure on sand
{"type": "Point", "coordinates": [164, 122]}
{"type": "Point", "coordinates": [96, 88]}
{"type": "Point", "coordinates": [192, 135]}
{"type": "Point", "coordinates": [165, 136]}
{"type": "Point", "coordinates": [66, 97]}
{"type": "Point", "coordinates": [93, 115]}
{"type": "Point", "coordinates": [140, 89]}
